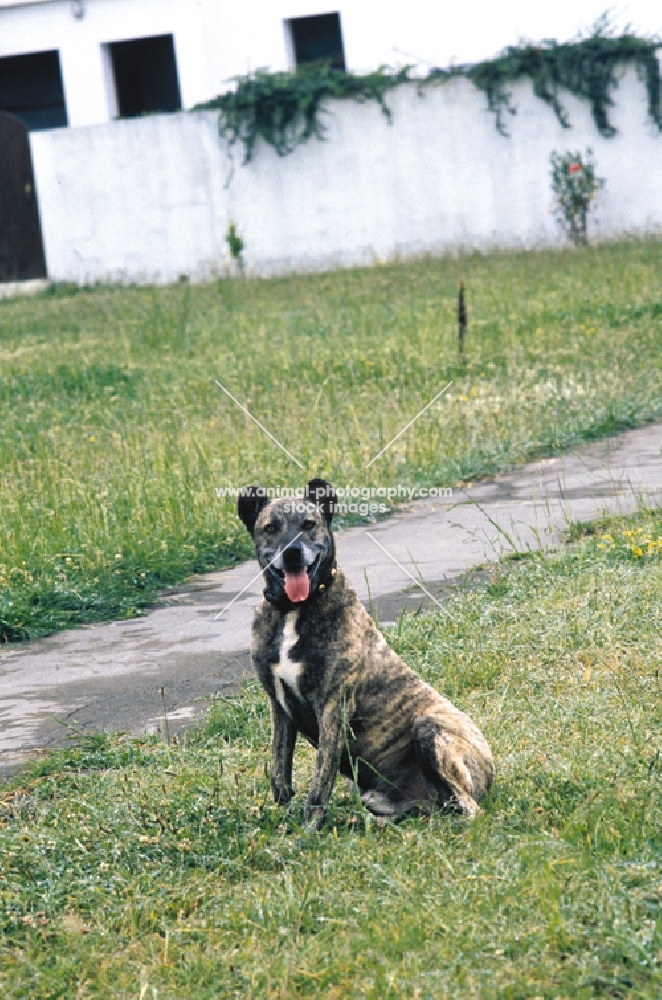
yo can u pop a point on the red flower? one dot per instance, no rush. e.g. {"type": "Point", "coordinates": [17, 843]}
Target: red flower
{"type": "Point", "coordinates": [575, 168]}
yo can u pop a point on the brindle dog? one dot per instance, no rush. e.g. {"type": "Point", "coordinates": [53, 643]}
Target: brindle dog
{"type": "Point", "coordinates": [331, 676]}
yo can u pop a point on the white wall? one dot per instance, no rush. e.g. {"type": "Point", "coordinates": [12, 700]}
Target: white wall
{"type": "Point", "coordinates": [148, 199]}
{"type": "Point", "coordinates": [132, 200]}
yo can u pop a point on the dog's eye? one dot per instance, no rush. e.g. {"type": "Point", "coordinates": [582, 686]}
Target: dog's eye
{"type": "Point", "coordinates": [270, 529]}
{"type": "Point", "coordinates": [308, 524]}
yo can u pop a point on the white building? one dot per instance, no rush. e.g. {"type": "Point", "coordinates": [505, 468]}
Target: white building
{"type": "Point", "coordinates": [85, 62]}
{"type": "Point", "coordinates": [151, 197]}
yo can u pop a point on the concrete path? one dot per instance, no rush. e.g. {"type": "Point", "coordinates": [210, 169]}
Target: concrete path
{"type": "Point", "coordinates": [111, 676]}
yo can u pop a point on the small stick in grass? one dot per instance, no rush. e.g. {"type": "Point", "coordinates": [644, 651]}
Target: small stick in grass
{"type": "Point", "coordinates": [461, 316]}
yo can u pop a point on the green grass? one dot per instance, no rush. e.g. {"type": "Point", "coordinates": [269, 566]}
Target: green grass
{"type": "Point", "coordinates": [113, 434]}
{"type": "Point", "coordinates": [127, 866]}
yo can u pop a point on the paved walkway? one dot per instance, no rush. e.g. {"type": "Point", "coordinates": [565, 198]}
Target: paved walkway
{"type": "Point", "coordinates": [111, 676]}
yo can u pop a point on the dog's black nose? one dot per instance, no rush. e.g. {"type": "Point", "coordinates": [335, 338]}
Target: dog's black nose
{"type": "Point", "coordinates": [293, 557]}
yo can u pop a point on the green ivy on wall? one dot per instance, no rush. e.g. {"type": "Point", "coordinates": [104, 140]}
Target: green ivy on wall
{"type": "Point", "coordinates": [588, 68]}
{"type": "Point", "coordinates": [284, 109]}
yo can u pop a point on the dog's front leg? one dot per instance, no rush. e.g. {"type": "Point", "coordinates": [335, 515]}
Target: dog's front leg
{"type": "Point", "coordinates": [326, 766]}
{"type": "Point", "coordinates": [283, 738]}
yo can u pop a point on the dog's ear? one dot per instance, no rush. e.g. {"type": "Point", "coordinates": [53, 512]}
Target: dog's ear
{"type": "Point", "coordinates": [324, 495]}
{"type": "Point", "coordinates": [251, 501]}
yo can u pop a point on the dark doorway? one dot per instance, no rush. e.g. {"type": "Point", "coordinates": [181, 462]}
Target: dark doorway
{"type": "Point", "coordinates": [145, 75]}
{"type": "Point", "coordinates": [21, 247]}
{"type": "Point", "coordinates": [318, 39]}
{"type": "Point", "coordinates": [31, 88]}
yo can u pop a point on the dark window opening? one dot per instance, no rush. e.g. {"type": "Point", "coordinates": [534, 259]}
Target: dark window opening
{"type": "Point", "coordinates": [145, 75]}
{"type": "Point", "coordinates": [31, 88]}
{"type": "Point", "coordinates": [318, 39]}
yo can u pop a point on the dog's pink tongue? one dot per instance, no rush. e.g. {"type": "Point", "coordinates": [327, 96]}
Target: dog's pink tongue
{"type": "Point", "coordinates": [297, 586]}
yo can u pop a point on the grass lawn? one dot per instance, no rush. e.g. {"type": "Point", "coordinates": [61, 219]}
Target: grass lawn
{"type": "Point", "coordinates": [132, 869]}
{"type": "Point", "coordinates": [113, 434]}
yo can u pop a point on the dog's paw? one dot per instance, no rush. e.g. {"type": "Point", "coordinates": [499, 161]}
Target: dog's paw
{"type": "Point", "coordinates": [282, 794]}
{"type": "Point", "coordinates": [313, 817]}
{"type": "Point", "coordinates": [463, 803]}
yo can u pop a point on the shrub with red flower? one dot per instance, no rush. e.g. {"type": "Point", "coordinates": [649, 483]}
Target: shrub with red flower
{"type": "Point", "coordinates": [575, 186]}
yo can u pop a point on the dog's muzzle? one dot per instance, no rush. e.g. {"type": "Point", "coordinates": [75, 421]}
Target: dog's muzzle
{"type": "Point", "coordinates": [293, 562]}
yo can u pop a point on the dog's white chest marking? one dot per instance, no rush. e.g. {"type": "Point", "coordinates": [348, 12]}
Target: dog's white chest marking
{"type": "Point", "coordinates": [286, 670]}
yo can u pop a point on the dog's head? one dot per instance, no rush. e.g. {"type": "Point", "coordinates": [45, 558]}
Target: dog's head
{"type": "Point", "coordinates": [293, 540]}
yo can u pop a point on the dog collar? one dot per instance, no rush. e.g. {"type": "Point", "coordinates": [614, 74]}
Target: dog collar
{"type": "Point", "coordinates": [331, 572]}
{"type": "Point", "coordinates": [328, 580]}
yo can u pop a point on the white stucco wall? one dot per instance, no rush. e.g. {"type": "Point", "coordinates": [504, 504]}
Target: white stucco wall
{"type": "Point", "coordinates": [135, 200]}
{"type": "Point", "coordinates": [149, 199]}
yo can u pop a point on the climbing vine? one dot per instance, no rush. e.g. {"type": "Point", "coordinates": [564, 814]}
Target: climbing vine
{"type": "Point", "coordinates": [285, 109]}
{"type": "Point", "coordinates": [588, 68]}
